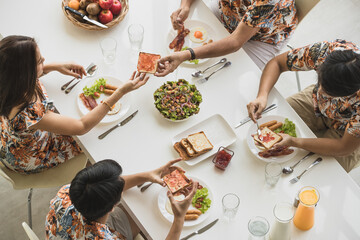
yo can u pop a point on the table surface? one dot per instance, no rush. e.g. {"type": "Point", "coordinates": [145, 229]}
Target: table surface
{"type": "Point", "coordinates": [145, 142]}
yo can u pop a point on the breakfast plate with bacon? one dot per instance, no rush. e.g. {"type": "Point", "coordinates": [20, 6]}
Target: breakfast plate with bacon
{"type": "Point", "coordinates": [263, 147]}
{"type": "Point", "coordinates": [94, 90]}
{"type": "Point", "coordinates": [194, 34]}
{"type": "Point", "coordinates": [200, 208]}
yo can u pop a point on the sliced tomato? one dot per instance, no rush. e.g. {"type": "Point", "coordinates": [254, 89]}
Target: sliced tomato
{"type": "Point", "coordinates": [102, 88]}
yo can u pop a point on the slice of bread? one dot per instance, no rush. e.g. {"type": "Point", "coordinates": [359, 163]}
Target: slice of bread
{"type": "Point", "coordinates": [199, 142]}
{"type": "Point", "coordinates": [147, 62]}
{"type": "Point", "coordinates": [189, 150]}
{"type": "Point", "coordinates": [182, 152]}
{"type": "Point", "coordinates": [269, 138]}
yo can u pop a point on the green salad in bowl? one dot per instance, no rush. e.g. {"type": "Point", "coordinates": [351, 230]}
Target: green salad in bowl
{"type": "Point", "coordinates": [177, 100]}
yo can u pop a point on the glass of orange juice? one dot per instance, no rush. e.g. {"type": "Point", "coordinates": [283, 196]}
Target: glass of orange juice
{"type": "Point", "coordinates": [304, 216]}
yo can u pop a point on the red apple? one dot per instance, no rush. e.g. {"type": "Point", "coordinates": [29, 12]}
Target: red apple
{"type": "Point", "coordinates": [106, 4]}
{"type": "Point", "coordinates": [105, 16]}
{"type": "Point", "coordinates": [116, 7]}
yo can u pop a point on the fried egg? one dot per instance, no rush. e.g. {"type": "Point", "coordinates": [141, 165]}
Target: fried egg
{"type": "Point", "coordinates": [198, 35]}
{"type": "Point", "coordinates": [168, 204]}
{"type": "Point", "coordinates": [115, 108]}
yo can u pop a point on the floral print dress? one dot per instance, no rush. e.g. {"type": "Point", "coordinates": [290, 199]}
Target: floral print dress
{"type": "Point", "coordinates": [31, 151]}
{"type": "Point", "coordinates": [276, 18]}
{"type": "Point", "coordinates": [344, 111]}
{"type": "Point", "coordinates": [65, 222]}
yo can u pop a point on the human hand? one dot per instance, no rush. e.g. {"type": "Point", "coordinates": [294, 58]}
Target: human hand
{"type": "Point", "coordinates": [287, 140]}
{"type": "Point", "coordinates": [72, 69]}
{"type": "Point", "coordinates": [156, 175]}
{"type": "Point", "coordinates": [179, 208]}
{"type": "Point", "coordinates": [169, 63]}
{"type": "Point", "coordinates": [256, 107]}
{"type": "Point", "coordinates": [178, 17]}
{"type": "Point", "coordinates": [136, 80]}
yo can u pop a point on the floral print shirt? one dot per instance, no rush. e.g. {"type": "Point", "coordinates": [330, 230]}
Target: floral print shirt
{"type": "Point", "coordinates": [276, 18]}
{"type": "Point", "coordinates": [64, 222]}
{"type": "Point", "coordinates": [31, 151]}
{"type": "Point", "coordinates": [344, 111]}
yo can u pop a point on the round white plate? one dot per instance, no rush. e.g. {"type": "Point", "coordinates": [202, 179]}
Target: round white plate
{"type": "Point", "coordinates": [188, 43]}
{"type": "Point", "coordinates": [255, 150]}
{"type": "Point", "coordinates": [163, 198]}
{"type": "Point", "coordinates": [125, 100]}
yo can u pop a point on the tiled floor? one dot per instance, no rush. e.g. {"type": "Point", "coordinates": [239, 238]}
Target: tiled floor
{"type": "Point", "coordinates": [330, 19]}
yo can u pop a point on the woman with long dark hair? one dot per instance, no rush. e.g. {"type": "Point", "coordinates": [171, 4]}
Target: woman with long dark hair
{"type": "Point", "coordinates": [331, 108]}
{"type": "Point", "coordinates": [33, 136]}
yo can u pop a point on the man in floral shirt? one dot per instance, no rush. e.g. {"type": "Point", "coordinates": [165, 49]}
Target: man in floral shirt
{"type": "Point", "coordinates": [88, 208]}
{"type": "Point", "coordinates": [260, 27]}
{"type": "Point", "coordinates": [331, 108]}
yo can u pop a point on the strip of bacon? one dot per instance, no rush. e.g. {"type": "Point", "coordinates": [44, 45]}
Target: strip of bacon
{"type": "Point", "coordinates": [179, 40]}
{"type": "Point", "coordinates": [279, 151]}
{"type": "Point", "coordinates": [88, 101]}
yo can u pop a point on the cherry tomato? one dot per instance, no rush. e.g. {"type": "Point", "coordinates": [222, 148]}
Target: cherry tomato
{"type": "Point", "coordinates": [101, 88]}
{"type": "Point", "coordinates": [96, 94]}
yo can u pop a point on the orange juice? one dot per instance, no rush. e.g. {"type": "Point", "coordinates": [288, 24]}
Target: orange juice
{"type": "Point", "coordinates": [304, 216]}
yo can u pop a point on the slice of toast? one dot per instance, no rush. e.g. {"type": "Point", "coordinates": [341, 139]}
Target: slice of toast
{"type": "Point", "coordinates": [199, 142]}
{"type": "Point", "coordinates": [189, 150]}
{"type": "Point", "coordinates": [182, 152]}
{"type": "Point", "coordinates": [269, 138]}
{"type": "Point", "coordinates": [147, 62]}
{"type": "Point", "coordinates": [176, 180]}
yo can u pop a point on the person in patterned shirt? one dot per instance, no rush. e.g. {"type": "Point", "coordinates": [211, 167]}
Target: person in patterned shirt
{"type": "Point", "coordinates": [33, 136]}
{"type": "Point", "coordinates": [331, 108]}
{"type": "Point", "coordinates": [88, 207]}
{"type": "Point", "coordinates": [260, 27]}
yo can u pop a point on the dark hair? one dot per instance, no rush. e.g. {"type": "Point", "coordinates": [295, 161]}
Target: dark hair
{"type": "Point", "coordinates": [96, 189]}
{"type": "Point", "coordinates": [18, 73]}
{"type": "Point", "coordinates": [339, 75]}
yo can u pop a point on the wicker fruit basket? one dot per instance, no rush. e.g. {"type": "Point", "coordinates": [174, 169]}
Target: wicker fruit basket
{"type": "Point", "coordinates": [90, 26]}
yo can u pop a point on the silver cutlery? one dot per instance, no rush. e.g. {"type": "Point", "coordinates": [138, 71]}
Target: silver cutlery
{"type": "Point", "coordinates": [296, 179]}
{"type": "Point", "coordinates": [90, 73]}
{"type": "Point", "coordinates": [203, 80]}
{"type": "Point", "coordinates": [85, 17]}
{"type": "Point", "coordinates": [288, 170]}
{"type": "Point", "coordinates": [247, 119]}
{"type": "Point", "coordinates": [122, 123]}
{"type": "Point", "coordinates": [259, 131]}
{"type": "Point", "coordinates": [200, 73]}
{"type": "Point", "coordinates": [145, 187]}
{"type": "Point", "coordinates": [63, 87]}
{"type": "Point", "coordinates": [201, 230]}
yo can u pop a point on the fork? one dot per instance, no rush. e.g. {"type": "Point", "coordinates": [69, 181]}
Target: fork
{"type": "Point", "coordinates": [296, 179]}
{"type": "Point", "coordinates": [259, 131]}
{"type": "Point", "coordinates": [203, 80]}
{"type": "Point", "coordinates": [63, 87]}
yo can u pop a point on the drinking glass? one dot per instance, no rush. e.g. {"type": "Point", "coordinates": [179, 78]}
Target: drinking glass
{"type": "Point", "coordinates": [258, 228]}
{"type": "Point", "coordinates": [136, 36]}
{"type": "Point", "coordinates": [273, 172]}
{"type": "Point", "coordinates": [284, 213]}
{"type": "Point", "coordinates": [230, 203]}
{"type": "Point", "coordinates": [108, 48]}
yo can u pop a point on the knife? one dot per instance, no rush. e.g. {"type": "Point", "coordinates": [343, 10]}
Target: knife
{"type": "Point", "coordinates": [247, 119]}
{"type": "Point", "coordinates": [201, 230]}
{"type": "Point", "coordinates": [85, 17]}
{"type": "Point", "coordinates": [122, 123]}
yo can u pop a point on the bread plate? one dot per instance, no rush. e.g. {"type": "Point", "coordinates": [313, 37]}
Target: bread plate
{"type": "Point", "coordinates": [190, 24]}
{"type": "Point", "coordinates": [217, 130]}
{"type": "Point", "coordinates": [164, 203]}
{"type": "Point", "coordinates": [125, 100]}
{"type": "Point", "coordinates": [255, 150]}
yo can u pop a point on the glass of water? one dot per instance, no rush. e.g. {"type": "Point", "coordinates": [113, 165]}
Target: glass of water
{"type": "Point", "coordinates": [230, 203]}
{"type": "Point", "coordinates": [136, 36]}
{"type": "Point", "coordinates": [258, 228]}
{"type": "Point", "coordinates": [108, 49]}
{"type": "Point", "coordinates": [273, 172]}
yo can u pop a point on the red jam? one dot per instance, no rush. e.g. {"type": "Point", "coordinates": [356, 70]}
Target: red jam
{"type": "Point", "coordinates": [222, 159]}
{"type": "Point", "coordinates": [267, 138]}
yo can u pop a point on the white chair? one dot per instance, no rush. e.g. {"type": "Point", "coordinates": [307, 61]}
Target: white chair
{"type": "Point", "coordinates": [57, 176]}
{"type": "Point", "coordinates": [303, 7]}
{"type": "Point", "coordinates": [29, 232]}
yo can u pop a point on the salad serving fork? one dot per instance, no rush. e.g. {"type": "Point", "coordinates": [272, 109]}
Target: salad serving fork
{"type": "Point", "coordinates": [296, 179]}
{"type": "Point", "coordinates": [200, 73]}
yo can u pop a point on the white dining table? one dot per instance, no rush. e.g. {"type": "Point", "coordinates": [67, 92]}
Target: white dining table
{"type": "Point", "coordinates": [145, 142]}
